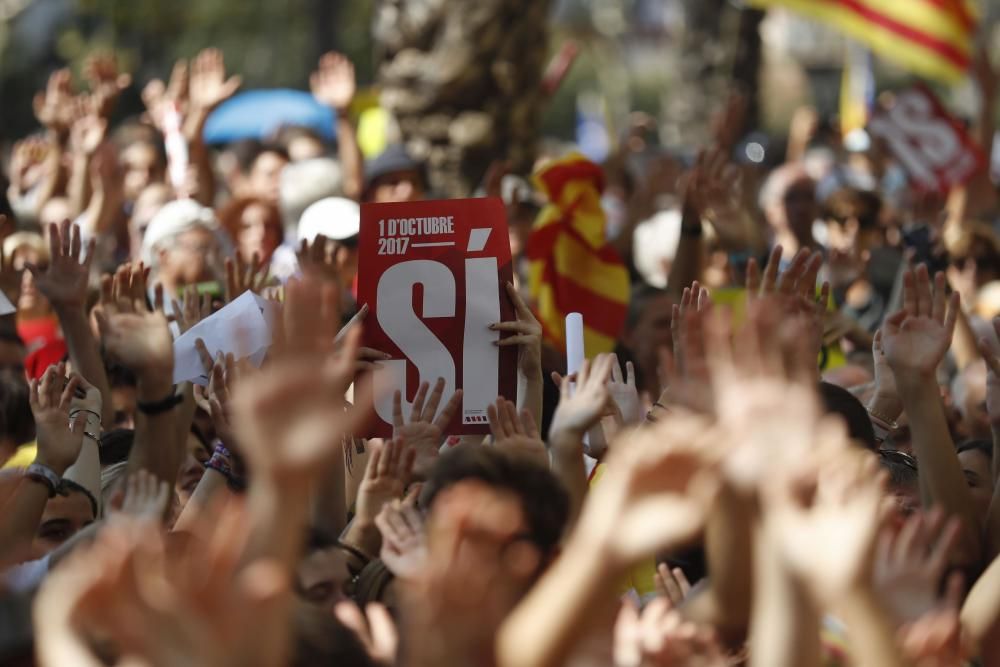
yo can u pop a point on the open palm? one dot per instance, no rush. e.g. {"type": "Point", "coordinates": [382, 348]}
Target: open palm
{"type": "Point", "coordinates": [916, 338]}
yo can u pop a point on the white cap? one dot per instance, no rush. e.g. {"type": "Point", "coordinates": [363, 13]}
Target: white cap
{"type": "Point", "coordinates": [175, 218]}
{"type": "Point", "coordinates": [654, 245]}
{"type": "Point", "coordinates": [334, 217]}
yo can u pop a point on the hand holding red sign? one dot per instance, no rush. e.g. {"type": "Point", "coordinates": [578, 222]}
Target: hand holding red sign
{"type": "Point", "coordinates": [433, 275]}
{"type": "Point", "coordinates": [933, 148]}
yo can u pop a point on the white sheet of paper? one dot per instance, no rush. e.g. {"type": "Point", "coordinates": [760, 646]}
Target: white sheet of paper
{"type": "Point", "coordinates": [6, 307]}
{"type": "Point", "coordinates": [241, 328]}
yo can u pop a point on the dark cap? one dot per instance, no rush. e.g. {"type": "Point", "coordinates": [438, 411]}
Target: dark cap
{"type": "Point", "coordinates": [392, 160]}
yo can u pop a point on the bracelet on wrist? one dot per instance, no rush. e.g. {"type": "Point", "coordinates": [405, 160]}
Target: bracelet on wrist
{"type": "Point", "coordinates": [161, 406]}
{"type": "Point", "coordinates": [41, 473]}
{"type": "Point", "coordinates": [228, 466]}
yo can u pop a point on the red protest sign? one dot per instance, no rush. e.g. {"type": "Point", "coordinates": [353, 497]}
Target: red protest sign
{"type": "Point", "coordinates": [433, 276]}
{"type": "Point", "coordinates": [932, 146]}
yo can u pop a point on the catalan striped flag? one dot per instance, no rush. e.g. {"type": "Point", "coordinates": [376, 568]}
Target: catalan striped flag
{"type": "Point", "coordinates": [572, 268]}
{"type": "Point", "coordinates": [932, 38]}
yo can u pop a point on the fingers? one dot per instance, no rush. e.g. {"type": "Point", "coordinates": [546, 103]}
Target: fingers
{"type": "Point", "coordinates": [418, 402]}
{"type": "Point", "coordinates": [528, 423]}
{"type": "Point", "coordinates": [521, 308]}
{"type": "Point", "coordinates": [923, 291]}
{"type": "Point", "coordinates": [496, 425]}
{"type": "Point", "coordinates": [206, 357]}
{"type": "Point", "coordinates": [448, 411]}
{"type": "Point", "coordinates": [910, 292]}
{"type": "Point", "coordinates": [770, 277]}
{"type": "Point", "coordinates": [397, 409]}
{"type": "Point", "coordinates": [433, 401]}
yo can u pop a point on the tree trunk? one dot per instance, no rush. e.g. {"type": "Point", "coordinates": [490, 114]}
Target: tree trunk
{"type": "Point", "coordinates": [462, 79]}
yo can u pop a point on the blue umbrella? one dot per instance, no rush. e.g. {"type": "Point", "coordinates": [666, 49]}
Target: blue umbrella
{"type": "Point", "coordinates": [257, 114]}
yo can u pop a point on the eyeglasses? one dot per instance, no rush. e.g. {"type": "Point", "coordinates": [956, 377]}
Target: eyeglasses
{"type": "Point", "coordinates": [896, 456]}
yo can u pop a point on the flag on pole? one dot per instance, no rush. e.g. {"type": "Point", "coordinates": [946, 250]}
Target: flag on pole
{"type": "Point", "coordinates": [932, 38]}
{"type": "Point", "coordinates": [857, 89]}
{"type": "Point", "coordinates": [572, 267]}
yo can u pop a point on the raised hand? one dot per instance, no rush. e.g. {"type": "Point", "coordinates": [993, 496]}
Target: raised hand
{"type": "Point", "coordinates": [624, 393]}
{"type": "Point", "coordinates": [659, 636]}
{"type": "Point", "coordinates": [242, 276]}
{"type": "Point", "coordinates": [386, 477]}
{"type": "Point", "coordinates": [824, 520]}
{"type": "Point", "coordinates": [138, 338]}
{"type": "Point", "coordinates": [106, 82]}
{"type": "Point", "coordinates": [334, 84]}
{"type": "Point", "coordinates": [89, 128]}
{"type": "Point", "coordinates": [688, 380]}
{"type": "Point", "coordinates": [404, 544]}
{"type": "Point", "coordinates": [158, 97]}
{"type": "Point", "coordinates": [672, 584]}
{"type": "Point", "coordinates": [316, 261]}
{"type": "Point", "coordinates": [910, 564]}
{"type": "Point", "coordinates": [374, 629]}
{"type": "Point", "coordinates": [916, 338]}
{"type": "Point", "coordinates": [192, 310]}
{"type": "Point", "coordinates": [59, 442]}
{"type": "Point", "coordinates": [208, 86]}
{"type": "Point", "coordinates": [53, 107]}
{"type": "Point", "coordinates": [516, 434]}
{"type": "Point", "coordinates": [64, 282]}
{"type": "Point", "coordinates": [936, 638]}
{"type": "Point", "coordinates": [714, 190]}
{"type": "Point", "coordinates": [656, 494]}
{"type": "Point", "coordinates": [795, 288]}
{"type": "Point", "coordinates": [426, 427]}
{"type": "Point", "coordinates": [164, 610]}
{"type": "Point", "coordinates": [146, 497]}
{"type": "Point", "coordinates": [581, 409]}
{"type": "Point", "coordinates": [526, 334]}
{"type": "Point", "coordinates": [291, 419]}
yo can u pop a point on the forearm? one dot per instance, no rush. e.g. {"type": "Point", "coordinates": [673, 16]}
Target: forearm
{"type": "Point", "coordinates": [329, 500]}
{"type": "Point", "coordinates": [885, 406]}
{"type": "Point", "coordinates": [529, 393]}
{"type": "Point", "coordinates": [785, 628]}
{"type": "Point", "coordinates": [963, 345]}
{"type": "Point", "coordinates": [543, 628]}
{"type": "Point", "coordinates": [686, 267]}
{"type": "Point", "coordinates": [278, 513]}
{"type": "Point", "coordinates": [21, 517]}
{"type": "Point", "coordinates": [211, 487]}
{"type": "Point", "coordinates": [78, 189]}
{"type": "Point", "coordinates": [54, 180]}
{"type": "Point", "coordinates": [86, 470]}
{"type": "Point", "coordinates": [351, 159]}
{"type": "Point", "coordinates": [728, 551]}
{"type": "Point", "coordinates": [872, 635]}
{"type": "Point", "coordinates": [364, 536]}
{"type": "Point", "coordinates": [981, 609]}
{"type": "Point", "coordinates": [156, 449]}
{"type": "Point", "coordinates": [566, 459]}
{"type": "Point", "coordinates": [85, 355]}
{"type": "Point", "coordinates": [200, 158]}
{"type": "Point", "coordinates": [942, 482]}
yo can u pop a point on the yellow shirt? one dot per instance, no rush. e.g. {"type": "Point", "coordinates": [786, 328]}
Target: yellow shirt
{"type": "Point", "coordinates": [23, 457]}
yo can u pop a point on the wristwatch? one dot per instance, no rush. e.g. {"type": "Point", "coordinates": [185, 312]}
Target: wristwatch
{"type": "Point", "coordinates": [44, 475]}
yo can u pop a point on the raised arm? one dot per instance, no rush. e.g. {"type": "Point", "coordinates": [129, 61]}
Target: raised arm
{"type": "Point", "coordinates": [140, 340]}
{"type": "Point", "coordinates": [64, 283]}
{"type": "Point", "coordinates": [58, 449]}
{"type": "Point", "coordinates": [654, 497]}
{"type": "Point", "coordinates": [334, 85]}
{"type": "Point", "coordinates": [915, 341]}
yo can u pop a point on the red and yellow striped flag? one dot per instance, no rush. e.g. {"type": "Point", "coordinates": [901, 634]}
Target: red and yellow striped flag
{"type": "Point", "coordinates": [572, 268]}
{"type": "Point", "coordinates": [933, 38]}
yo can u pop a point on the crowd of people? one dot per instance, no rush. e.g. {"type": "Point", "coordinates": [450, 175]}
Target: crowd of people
{"type": "Point", "coordinates": [789, 460]}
